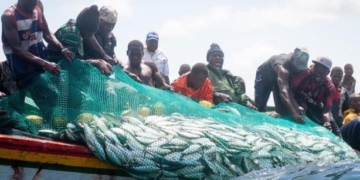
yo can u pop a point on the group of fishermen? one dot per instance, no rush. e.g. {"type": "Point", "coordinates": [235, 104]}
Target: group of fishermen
{"type": "Point", "coordinates": [298, 90]}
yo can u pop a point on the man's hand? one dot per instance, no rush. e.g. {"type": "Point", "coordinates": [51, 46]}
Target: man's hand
{"type": "Point", "coordinates": [69, 55]}
{"type": "Point", "coordinates": [300, 110]}
{"type": "Point", "coordinates": [51, 67]}
{"type": "Point", "coordinates": [168, 87]}
{"type": "Point", "coordinates": [133, 76]}
{"type": "Point", "coordinates": [251, 105]}
{"type": "Point", "coordinates": [110, 60]}
{"type": "Point", "coordinates": [104, 67]}
{"type": "Point", "coordinates": [2, 94]}
{"type": "Point", "coordinates": [298, 118]}
{"type": "Point", "coordinates": [223, 97]}
{"type": "Point", "coordinates": [327, 125]}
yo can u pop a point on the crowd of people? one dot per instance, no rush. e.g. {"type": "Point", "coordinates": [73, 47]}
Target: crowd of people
{"type": "Point", "coordinates": [298, 89]}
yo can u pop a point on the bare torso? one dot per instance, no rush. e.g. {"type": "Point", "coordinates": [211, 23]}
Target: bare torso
{"type": "Point", "coordinates": [144, 72]}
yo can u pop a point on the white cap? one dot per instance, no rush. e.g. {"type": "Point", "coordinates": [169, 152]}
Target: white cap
{"type": "Point", "coordinates": [108, 14]}
{"type": "Point", "coordinates": [325, 61]}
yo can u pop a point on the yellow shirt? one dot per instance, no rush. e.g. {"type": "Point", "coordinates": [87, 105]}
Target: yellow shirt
{"type": "Point", "coordinates": [349, 115]}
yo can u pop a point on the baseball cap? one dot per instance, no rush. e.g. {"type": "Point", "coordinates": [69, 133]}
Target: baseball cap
{"type": "Point", "coordinates": [325, 61]}
{"type": "Point", "coordinates": [152, 36]}
{"type": "Point", "coordinates": [108, 14]}
{"type": "Point", "coordinates": [301, 58]}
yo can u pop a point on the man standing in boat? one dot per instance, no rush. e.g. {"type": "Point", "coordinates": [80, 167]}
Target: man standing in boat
{"type": "Point", "coordinates": [226, 87]}
{"type": "Point", "coordinates": [24, 28]}
{"type": "Point", "coordinates": [153, 54]}
{"type": "Point", "coordinates": [148, 74]}
{"type": "Point", "coordinates": [275, 75]}
{"type": "Point", "coordinates": [315, 93]}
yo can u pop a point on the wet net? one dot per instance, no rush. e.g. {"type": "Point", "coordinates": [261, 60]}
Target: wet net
{"type": "Point", "coordinates": [154, 134]}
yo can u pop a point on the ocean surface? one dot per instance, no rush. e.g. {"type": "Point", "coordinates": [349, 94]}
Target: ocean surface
{"type": "Point", "coordinates": [344, 170]}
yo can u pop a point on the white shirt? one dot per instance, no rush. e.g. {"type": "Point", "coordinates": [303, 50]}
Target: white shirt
{"type": "Point", "coordinates": [159, 58]}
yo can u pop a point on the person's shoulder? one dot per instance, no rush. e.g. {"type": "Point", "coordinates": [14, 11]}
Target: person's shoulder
{"type": "Point", "coordinates": [330, 86]}
{"type": "Point", "coordinates": [160, 51]}
{"type": "Point", "coordinates": [9, 12]}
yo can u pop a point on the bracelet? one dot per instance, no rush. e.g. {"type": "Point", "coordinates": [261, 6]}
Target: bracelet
{"type": "Point", "coordinates": [64, 49]}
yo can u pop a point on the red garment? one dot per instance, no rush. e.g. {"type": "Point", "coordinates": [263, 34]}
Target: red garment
{"type": "Point", "coordinates": [205, 92]}
{"type": "Point", "coordinates": [320, 95]}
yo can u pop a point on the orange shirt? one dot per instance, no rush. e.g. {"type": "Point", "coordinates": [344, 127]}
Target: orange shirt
{"type": "Point", "coordinates": [205, 92]}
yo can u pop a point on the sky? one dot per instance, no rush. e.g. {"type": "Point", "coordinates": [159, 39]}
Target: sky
{"type": "Point", "coordinates": [249, 32]}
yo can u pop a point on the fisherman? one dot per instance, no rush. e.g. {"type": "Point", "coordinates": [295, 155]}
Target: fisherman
{"type": "Point", "coordinates": [315, 93]}
{"type": "Point", "coordinates": [24, 27]}
{"type": "Point", "coordinates": [341, 100]}
{"type": "Point", "coordinates": [195, 84]}
{"type": "Point", "coordinates": [350, 133]}
{"type": "Point", "coordinates": [148, 75]}
{"type": "Point", "coordinates": [73, 36]}
{"type": "Point", "coordinates": [105, 37]}
{"type": "Point", "coordinates": [348, 81]}
{"type": "Point", "coordinates": [354, 110]}
{"type": "Point", "coordinates": [275, 75]}
{"type": "Point", "coordinates": [184, 68]}
{"type": "Point", "coordinates": [156, 55]}
{"type": "Point", "coordinates": [225, 89]}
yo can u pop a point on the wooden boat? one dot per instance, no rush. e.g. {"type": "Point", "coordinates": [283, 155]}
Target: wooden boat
{"type": "Point", "coordinates": [23, 158]}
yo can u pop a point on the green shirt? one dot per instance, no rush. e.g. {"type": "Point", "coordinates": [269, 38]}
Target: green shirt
{"type": "Point", "coordinates": [224, 82]}
{"type": "Point", "coordinates": [69, 36]}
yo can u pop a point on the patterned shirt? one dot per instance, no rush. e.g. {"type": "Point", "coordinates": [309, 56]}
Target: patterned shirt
{"type": "Point", "coordinates": [69, 36]}
{"type": "Point", "coordinates": [30, 31]}
{"type": "Point", "coordinates": [159, 58]}
{"type": "Point", "coordinates": [307, 90]}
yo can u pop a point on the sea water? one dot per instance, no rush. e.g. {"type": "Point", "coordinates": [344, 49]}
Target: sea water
{"type": "Point", "coordinates": [344, 170]}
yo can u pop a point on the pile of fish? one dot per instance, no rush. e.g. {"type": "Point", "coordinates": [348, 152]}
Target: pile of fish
{"type": "Point", "coordinates": [177, 147]}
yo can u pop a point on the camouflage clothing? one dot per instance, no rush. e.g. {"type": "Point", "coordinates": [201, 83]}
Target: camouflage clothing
{"type": "Point", "coordinates": [224, 82]}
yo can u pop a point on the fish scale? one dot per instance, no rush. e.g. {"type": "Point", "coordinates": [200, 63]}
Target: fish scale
{"type": "Point", "coordinates": [174, 157]}
{"type": "Point", "coordinates": [93, 144]}
{"type": "Point", "coordinates": [190, 170]}
{"type": "Point", "coordinates": [192, 148]}
{"type": "Point", "coordinates": [111, 153]}
{"type": "Point", "coordinates": [191, 158]}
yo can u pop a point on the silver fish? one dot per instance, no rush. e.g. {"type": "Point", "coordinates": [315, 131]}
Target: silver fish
{"type": "Point", "coordinates": [192, 149]}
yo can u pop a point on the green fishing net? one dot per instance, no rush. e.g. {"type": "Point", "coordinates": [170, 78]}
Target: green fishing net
{"type": "Point", "coordinates": [157, 134]}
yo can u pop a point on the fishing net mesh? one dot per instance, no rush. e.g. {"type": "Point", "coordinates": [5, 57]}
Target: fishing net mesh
{"type": "Point", "coordinates": [153, 133]}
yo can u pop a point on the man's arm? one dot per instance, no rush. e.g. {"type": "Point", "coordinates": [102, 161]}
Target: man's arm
{"type": "Point", "coordinates": [155, 75]}
{"type": "Point", "coordinates": [94, 45]}
{"type": "Point", "coordinates": [51, 39]}
{"type": "Point", "coordinates": [285, 95]}
{"type": "Point", "coordinates": [166, 71]}
{"type": "Point", "coordinates": [11, 35]}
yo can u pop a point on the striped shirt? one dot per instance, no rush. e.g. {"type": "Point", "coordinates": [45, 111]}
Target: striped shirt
{"type": "Point", "coordinates": [30, 31]}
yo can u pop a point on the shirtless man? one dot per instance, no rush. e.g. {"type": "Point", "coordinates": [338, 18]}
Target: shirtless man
{"type": "Point", "coordinates": [348, 81]}
{"type": "Point", "coordinates": [148, 72]}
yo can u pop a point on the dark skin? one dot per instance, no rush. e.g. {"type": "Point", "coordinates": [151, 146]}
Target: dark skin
{"type": "Point", "coordinates": [184, 69]}
{"type": "Point", "coordinates": [216, 59]}
{"type": "Point", "coordinates": [320, 74]}
{"type": "Point", "coordinates": [336, 78]}
{"type": "Point", "coordinates": [105, 28]}
{"type": "Point", "coordinates": [11, 34]}
{"type": "Point", "coordinates": [355, 102]}
{"type": "Point", "coordinates": [349, 71]}
{"type": "Point", "coordinates": [143, 71]}
{"type": "Point", "coordinates": [287, 98]}
{"type": "Point", "coordinates": [152, 46]}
